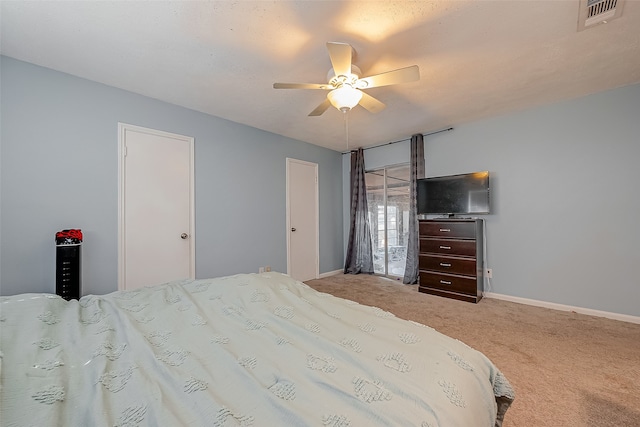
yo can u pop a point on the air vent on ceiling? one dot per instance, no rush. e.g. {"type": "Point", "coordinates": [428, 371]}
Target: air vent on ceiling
{"type": "Point", "coordinates": [594, 12]}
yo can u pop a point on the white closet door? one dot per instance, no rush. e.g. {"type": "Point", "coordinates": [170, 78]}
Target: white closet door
{"type": "Point", "coordinates": [157, 221]}
{"type": "Point", "coordinates": [302, 219]}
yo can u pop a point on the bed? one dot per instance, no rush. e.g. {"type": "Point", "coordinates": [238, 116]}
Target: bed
{"type": "Point", "coordinates": [243, 350]}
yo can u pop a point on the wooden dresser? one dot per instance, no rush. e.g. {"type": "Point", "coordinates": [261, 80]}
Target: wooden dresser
{"type": "Point", "coordinates": [451, 258]}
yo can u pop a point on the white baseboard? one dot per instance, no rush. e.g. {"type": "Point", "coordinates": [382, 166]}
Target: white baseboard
{"type": "Point", "coordinates": [562, 307]}
{"type": "Point", "coordinates": [329, 274]}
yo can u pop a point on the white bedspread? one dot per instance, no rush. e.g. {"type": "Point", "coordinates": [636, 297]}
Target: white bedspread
{"type": "Point", "coordinates": [245, 350]}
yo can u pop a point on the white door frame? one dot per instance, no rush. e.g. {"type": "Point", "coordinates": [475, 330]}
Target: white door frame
{"type": "Point", "coordinates": [122, 151]}
{"type": "Point", "coordinates": [317, 216]}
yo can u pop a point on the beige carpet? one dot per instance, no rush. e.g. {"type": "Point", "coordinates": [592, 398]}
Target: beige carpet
{"type": "Point", "coordinates": [567, 369]}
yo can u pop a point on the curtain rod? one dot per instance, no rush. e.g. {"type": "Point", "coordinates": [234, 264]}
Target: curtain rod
{"type": "Point", "coordinates": [402, 140]}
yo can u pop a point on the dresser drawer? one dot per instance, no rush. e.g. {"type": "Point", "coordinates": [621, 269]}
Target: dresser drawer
{"type": "Point", "coordinates": [448, 229]}
{"type": "Point", "coordinates": [451, 265]}
{"type": "Point", "coordinates": [448, 246]}
{"type": "Point", "coordinates": [449, 282]}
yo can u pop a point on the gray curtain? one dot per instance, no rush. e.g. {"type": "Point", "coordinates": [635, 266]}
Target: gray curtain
{"type": "Point", "coordinates": [359, 257]}
{"type": "Point", "coordinates": [413, 242]}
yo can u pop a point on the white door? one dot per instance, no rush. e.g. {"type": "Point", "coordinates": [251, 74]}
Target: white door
{"type": "Point", "coordinates": [156, 200]}
{"type": "Point", "coordinates": [302, 219]}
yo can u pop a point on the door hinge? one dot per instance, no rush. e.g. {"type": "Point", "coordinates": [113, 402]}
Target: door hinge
{"type": "Point", "coordinates": [125, 151]}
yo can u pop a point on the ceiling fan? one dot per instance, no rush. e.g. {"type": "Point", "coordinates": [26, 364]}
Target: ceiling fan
{"type": "Point", "coordinates": [345, 84]}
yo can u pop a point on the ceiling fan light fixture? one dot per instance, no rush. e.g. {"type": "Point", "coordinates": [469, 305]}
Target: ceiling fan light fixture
{"type": "Point", "coordinates": [346, 86]}
{"type": "Point", "coordinates": [344, 98]}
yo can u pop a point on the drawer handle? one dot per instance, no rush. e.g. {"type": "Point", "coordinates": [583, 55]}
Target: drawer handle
{"type": "Point", "coordinates": [445, 230]}
{"type": "Point", "coordinates": [444, 264]}
{"type": "Point", "coordinates": [445, 282]}
{"type": "Point", "coordinates": [445, 247]}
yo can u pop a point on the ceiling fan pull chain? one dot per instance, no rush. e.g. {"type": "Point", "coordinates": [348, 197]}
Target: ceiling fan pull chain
{"type": "Point", "coordinates": [346, 128]}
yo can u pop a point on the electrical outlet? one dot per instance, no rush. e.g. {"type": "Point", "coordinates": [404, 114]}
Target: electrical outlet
{"type": "Point", "coordinates": [488, 272]}
{"type": "Point", "coordinates": [261, 270]}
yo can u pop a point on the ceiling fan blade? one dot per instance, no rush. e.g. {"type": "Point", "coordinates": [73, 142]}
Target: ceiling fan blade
{"type": "Point", "coordinates": [370, 103]}
{"type": "Point", "coordinates": [321, 108]}
{"type": "Point", "coordinates": [340, 55]}
{"type": "Point", "coordinates": [301, 86]}
{"type": "Point", "coordinates": [401, 75]}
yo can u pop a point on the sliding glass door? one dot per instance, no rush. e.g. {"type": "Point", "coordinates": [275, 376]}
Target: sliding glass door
{"type": "Point", "coordinates": [388, 200]}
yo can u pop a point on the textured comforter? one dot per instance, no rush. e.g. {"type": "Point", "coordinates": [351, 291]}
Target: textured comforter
{"type": "Point", "coordinates": [246, 350]}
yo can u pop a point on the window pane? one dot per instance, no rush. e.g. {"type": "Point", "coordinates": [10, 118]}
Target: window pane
{"type": "Point", "coordinates": [375, 201]}
{"type": "Point", "coordinates": [389, 234]}
{"type": "Point", "coordinates": [397, 218]}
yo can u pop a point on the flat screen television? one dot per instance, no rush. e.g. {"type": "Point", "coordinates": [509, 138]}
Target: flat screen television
{"type": "Point", "coordinates": [454, 194]}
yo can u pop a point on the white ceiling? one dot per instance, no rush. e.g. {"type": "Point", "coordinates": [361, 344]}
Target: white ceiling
{"type": "Point", "coordinates": [477, 58]}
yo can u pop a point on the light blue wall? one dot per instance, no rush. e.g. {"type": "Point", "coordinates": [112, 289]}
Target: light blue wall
{"type": "Point", "coordinates": [59, 170]}
{"type": "Point", "coordinates": [566, 197]}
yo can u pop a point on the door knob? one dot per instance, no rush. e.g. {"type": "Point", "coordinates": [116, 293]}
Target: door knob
{"type": "Point", "coordinates": [293, 229]}
{"type": "Point", "coordinates": [184, 236]}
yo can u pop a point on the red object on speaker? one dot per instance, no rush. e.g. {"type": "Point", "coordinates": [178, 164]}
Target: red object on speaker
{"type": "Point", "coordinates": [71, 236]}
